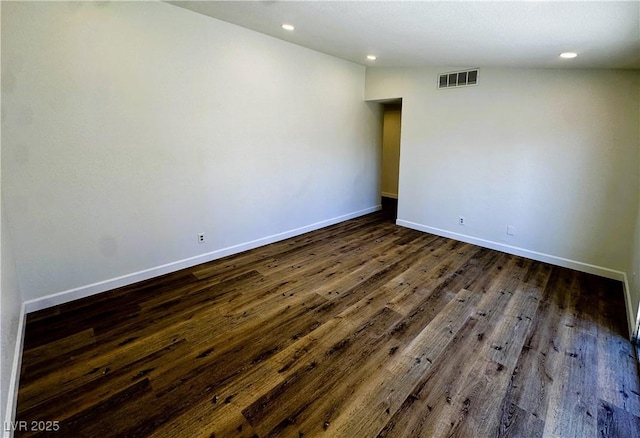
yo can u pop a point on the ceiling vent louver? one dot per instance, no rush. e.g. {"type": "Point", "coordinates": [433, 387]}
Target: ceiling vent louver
{"type": "Point", "coordinates": [458, 79]}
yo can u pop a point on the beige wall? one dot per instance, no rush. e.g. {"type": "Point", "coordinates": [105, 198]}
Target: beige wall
{"type": "Point", "coordinates": [391, 150]}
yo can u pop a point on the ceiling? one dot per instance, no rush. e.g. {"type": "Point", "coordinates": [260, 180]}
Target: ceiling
{"type": "Point", "coordinates": [605, 34]}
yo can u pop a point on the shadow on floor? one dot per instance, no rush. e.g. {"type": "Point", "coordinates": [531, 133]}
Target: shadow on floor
{"type": "Point", "coordinates": [390, 208]}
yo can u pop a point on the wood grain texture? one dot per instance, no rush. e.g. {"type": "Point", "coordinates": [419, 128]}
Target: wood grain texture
{"type": "Point", "coordinates": [361, 329]}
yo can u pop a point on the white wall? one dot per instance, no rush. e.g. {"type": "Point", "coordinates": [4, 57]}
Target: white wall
{"type": "Point", "coordinates": [553, 153]}
{"type": "Point", "coordinates": [128, 128]}
{"type": "Point", "coordinates": [633, 271]}
{"type": "Point", "coordinates": [10, 312]}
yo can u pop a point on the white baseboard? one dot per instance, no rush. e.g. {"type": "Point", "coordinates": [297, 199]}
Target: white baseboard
{"type": "Point", "coordinates": [389, 195]}
{"type": "Point", "coordinates": [636, 333]}
{"type": "Point", "coordinates": [554, 260]}
{"type": "Point", "coordinates": [113, 283]}
{"type": "Point", "coordinates": [633, 324]}
{"type": "Point", "coordinates": [14, 382]}
{"type": "Point", "coordinates": [541, 257]}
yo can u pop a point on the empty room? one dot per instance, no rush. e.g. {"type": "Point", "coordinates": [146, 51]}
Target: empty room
{"type": "Point", "coordinates": [320, 219]}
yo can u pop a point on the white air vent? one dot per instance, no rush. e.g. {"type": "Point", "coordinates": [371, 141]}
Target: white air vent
{"type": "Point", "coordinates": [458, 79]}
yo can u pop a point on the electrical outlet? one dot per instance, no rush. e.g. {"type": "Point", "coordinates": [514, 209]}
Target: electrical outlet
{"type": "Point", "coordinates": [460, 220]}
{"type": "Point", "coordinates": [511, 230]}
{"type": "Point", "coordinates": [200, 237]}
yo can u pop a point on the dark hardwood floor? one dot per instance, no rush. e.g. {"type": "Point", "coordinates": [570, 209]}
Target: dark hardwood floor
{"type": "Point", "coordinates": [362, 329]}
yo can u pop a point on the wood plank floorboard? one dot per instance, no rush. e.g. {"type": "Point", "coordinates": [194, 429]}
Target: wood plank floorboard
{"type": "Point", "coordinates": [360, 329]}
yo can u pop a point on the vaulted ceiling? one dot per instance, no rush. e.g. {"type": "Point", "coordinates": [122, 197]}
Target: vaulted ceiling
{"type": "Point", "coordinates": [604, 34]}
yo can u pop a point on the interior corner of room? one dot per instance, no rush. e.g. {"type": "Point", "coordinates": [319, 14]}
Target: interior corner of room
{"type": "Point", "coordinates": [141, 138]}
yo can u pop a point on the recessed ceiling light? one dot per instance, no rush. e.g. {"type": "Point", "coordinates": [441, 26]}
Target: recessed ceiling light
{"type": "Point", "coordinates": [288, 27]}
{"type": "Point", "coordinates": [568, 55]}
{"type": "Point", "coordinates": [372, 57]}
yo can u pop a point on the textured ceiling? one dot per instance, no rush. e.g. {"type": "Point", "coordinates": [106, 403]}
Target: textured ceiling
{"type": "Point", "coordinates": [606, 34]}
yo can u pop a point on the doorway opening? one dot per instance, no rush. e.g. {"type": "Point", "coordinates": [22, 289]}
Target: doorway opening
{"type": "Point", "coordinates": [390, 168]}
